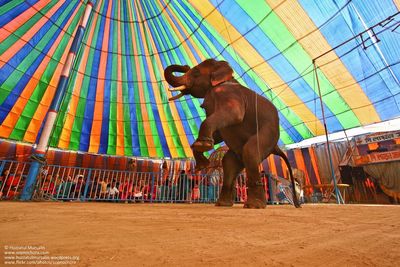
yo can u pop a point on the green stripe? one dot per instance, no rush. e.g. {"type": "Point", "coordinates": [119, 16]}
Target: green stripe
{"type": "Point", "coordinates": [10, 5]}
{"type": "Point", "coordinates": [178, 147]}
{"type": "Point", "coordinates": [61, 116]}
{"type": "Point", "coordinates": [300, 60]}
{"type": "Point", "coordinates": [9, 84]}
{"type": "Point", "coordinates": [39, 91]}
{"type": "Point", "coordinates": [139, 118]}
{"type": "Point", "coordinates": [194, 128]}
{"type": "Point", "coordinates": [125, 94]}
{"type": "Point", "coordinates": [290, 116]}
{"type": "Point", "coordinates": [80, 110]}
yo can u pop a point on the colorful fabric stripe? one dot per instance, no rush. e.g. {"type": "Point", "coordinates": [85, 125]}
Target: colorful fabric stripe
{"type": "Point", "coordinates": [116, 99]}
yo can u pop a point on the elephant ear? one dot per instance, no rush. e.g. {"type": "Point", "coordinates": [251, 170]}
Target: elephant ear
{"type": "Point", "coordinates": [222, 73]}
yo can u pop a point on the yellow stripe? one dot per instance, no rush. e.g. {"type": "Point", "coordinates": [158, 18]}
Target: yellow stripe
{"type": "Point", "coordinates": [160, 108]}
{"type": "Point", "coordinates": [65, 136]}
{"type": "Point", "coordinates": [95, 134]}
{"type": "Point", "coordinates": [262, 69]}
{"type": "Point", "coordinates": [299, 24]}
{"type": "Point", "coordinates": [142, 101]}
{"type": "Point", "coordinates": [397, 2]}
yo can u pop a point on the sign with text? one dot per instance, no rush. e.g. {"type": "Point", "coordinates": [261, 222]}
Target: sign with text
{"type": "Point", "coordinates": [377, 137]}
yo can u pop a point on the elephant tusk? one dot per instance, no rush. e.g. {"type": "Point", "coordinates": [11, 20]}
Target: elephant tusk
{"type": "Point", "coordinates": [179, 88]}
{"type": "Point", "coordinates": [175, 97]}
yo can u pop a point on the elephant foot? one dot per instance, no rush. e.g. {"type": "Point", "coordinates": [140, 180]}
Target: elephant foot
{"type": "Point", "coordinates": [256, 197]}
{"type": "Point", "coordinates": [225, 198]}
{"type": "Point", "coordinates": [224, 203]}
{"type": "Point", "coordinates": [203, 145]}
{"type": "Point", "coordinates": [255, 204]}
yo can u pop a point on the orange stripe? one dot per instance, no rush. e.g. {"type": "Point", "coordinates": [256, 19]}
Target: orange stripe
{"type": "Point", "coordinates": [98, 106]}
{"type": "Point", "coordinates": [12, 118]}
{"type": "Point", "coordinates": [313, 157]}
{"type": "Point", "coordinates": [120, 112]}
{"type": "Point", "coordinates": [301, 165]}
{"type": "Point", "coordinates": [15, 47]}
{"type": "Point", "coordinates": [160, 107]}
{"type": "Point", "coordinates": [65, 136]}
{"type": "Point", "coordinates": [172, 106]}
{"type": "Point", "coordinates": [41, 111]}
{"type": "Point", "coordinates": [21, 19]}
{"type": "Point", "coordinates": [271, 164]}
{"type": "Point", "coordinates": [146, 124]}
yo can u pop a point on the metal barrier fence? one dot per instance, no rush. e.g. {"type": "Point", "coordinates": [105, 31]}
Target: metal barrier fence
{"type": "Point", "coordinates": [83, 184]}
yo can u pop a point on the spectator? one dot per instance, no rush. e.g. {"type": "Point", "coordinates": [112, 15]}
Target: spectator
{"type": "Point", "coordinates": [183, 186]}
{"type": "Point", "coordinates": [113, 191]}
{"type": "Point", "coordinates": [195, 191]}
{"type": "Point", "coordinates": [213, 185]}
{"type": "Point", "coordinates": [65, 188]}
{"type": "Point", "coordinates": [48, 185]}
{"type": "Point", "coordinates": [79, 186]}
{"type": "Point", "coordinates": [3, 179]}
{"type": "Point", "coordinates": [137, 191]}
{"type": "Point", "coordinates": [103, 189]}
{"type": "Point", "coordinates": [12, 185]}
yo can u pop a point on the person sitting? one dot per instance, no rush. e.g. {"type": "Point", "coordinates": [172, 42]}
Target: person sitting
{"type": "Point", "coordinates": [137, 191]}
{"type": "Point", "coordinates": [103, 189]}
{"type": "Point", "coordinates": [113, 192]}
{"type": "Point", "coordinates": [3, 180]}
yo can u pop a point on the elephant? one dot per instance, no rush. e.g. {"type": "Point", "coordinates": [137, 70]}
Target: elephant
{"type": "Point", "coordinates": [247, 122]}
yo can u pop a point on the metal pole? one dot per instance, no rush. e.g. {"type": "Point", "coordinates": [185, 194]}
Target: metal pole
{"type": "Point", "coordinates": [339, 198]}
{"type": "Point", "coordinates": [38, 157]}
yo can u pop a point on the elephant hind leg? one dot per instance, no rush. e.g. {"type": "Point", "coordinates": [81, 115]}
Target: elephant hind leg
{"type": "Point", "coordinates": [254, 152]}
{"type": "Point", "coordinates": [232, 165]}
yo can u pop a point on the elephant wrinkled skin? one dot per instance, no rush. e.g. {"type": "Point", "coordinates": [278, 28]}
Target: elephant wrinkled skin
{"type": "Point", "coordinates": [247, 122]}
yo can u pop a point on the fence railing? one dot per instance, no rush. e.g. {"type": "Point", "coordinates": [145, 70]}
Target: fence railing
{"type": "Point", "coordinates": [65, 183]}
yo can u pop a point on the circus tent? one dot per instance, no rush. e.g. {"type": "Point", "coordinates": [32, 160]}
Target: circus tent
{"type": "Point", "coordinates": [333, 62]}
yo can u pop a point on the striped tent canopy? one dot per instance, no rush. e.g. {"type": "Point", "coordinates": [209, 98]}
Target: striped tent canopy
{"type": "Point", "coordinates": [117, 100]}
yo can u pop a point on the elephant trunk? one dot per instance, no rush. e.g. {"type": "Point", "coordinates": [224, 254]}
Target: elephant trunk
{"type": "Point", "coordinates": [175, 80]}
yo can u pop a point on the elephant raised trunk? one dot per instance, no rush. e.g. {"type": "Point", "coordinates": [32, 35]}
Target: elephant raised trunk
{"type": "Point", "coordinates": [177, 81]}
{"type": "Point", "coordinates": [171, 78]}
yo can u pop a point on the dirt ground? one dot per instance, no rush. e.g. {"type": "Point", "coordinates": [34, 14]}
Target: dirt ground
{"type": "Point", "coordinates": [111, 234]}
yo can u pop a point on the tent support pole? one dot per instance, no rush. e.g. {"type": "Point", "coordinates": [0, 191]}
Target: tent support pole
{"type": "Point", "coordinates": [39, 155]}
{"type": "Point", "coordinates": [339, 199]}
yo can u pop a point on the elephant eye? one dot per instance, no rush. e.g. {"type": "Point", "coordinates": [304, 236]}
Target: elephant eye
{"type": "Point", "coordinates": [196, 72]}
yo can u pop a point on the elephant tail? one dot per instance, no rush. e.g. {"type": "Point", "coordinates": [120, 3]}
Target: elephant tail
{"type": "Point", "coordinates": [277, 151]}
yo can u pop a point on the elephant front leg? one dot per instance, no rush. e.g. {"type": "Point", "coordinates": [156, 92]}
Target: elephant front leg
{"type": "Point", "coordinates": [232, 166]}
{"type": "Point", "coordinates": [210, 126]}
{"type": "Point", "coordinates": [201, 161]}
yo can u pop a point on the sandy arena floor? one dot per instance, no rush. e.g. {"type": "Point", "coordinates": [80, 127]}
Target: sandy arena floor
{"type": "Point", "coordinates": [108, 234]}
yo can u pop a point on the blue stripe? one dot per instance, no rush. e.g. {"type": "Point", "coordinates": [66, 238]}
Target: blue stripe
{"type": "Point", "coordinates": [152, 99]}
{"type": "Point", "coordinates": [278, 62]}
{"type": "Point", "coordinates": [295, 135]}
{"type": "Point", "coordinates": [9, 102]}
{"type": "Point", "coordinates": [15, 11]}
{"type": "Point", "coordinates": [91, 94]}
{"type": "Point", "coordinates": [105, 126]}
{"type": "Point", "coordinates": [380, 87]}
{"type": "Point", "coordinates": [131, 87]}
